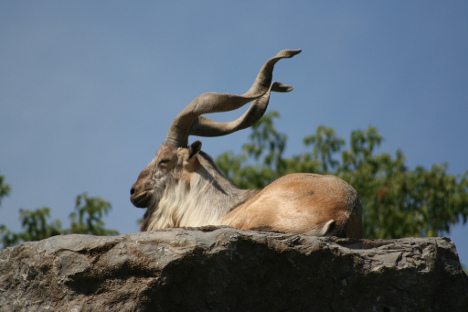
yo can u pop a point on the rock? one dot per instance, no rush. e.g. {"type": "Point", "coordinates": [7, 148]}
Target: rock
{"type": "Point", "coordinates": [223, 269]}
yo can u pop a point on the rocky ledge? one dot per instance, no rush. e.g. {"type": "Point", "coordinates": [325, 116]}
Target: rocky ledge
{"type": "Point", "coordinates": [223, 269]}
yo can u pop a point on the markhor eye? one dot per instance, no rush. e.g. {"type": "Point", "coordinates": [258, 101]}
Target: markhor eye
{"type": "Point", "coordinates": [163, 161]}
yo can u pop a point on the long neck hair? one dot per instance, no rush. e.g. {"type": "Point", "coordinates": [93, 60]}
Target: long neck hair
{"type": "Point", "coordinates": [205, 199]}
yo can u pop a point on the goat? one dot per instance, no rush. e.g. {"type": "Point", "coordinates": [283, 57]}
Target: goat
{"type": "Point", "coordinates": [182, 187]}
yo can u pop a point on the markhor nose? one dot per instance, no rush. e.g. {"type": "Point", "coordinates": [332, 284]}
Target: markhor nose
{"type": "Point", "coordinates": [132, 191]}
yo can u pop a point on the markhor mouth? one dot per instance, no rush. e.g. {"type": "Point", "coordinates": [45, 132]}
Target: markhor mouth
{"type": "Point", "coordinates": [141, 200]}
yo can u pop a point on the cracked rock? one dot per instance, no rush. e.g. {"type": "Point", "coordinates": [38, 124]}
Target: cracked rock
{"type": "Point", "coordinates": [223, 269]}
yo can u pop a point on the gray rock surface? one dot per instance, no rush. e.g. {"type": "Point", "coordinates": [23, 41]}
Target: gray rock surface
{"type": "Point", "coordinates": [223, 269]}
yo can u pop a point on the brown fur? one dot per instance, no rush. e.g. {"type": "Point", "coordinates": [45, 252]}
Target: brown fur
{"type": "Point", "coordinates": [301, 203]}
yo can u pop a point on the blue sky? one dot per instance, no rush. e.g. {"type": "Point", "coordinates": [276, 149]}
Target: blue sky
{"type": "Point", "coordinates": [88, 89]}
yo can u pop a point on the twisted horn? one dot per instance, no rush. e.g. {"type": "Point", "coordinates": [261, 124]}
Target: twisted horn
{"type": "Point", "coordinates": [206, 127]}
{"type": "Point", "coordinates": [190, 121]}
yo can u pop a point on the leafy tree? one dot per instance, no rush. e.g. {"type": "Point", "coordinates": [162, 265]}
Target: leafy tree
{"type": "Point", "coordinates": [87, 217]}
{"type": "Point", "coordinates": [36, 227]}
{"type": "Point", "coordinates": [4, 188]}
{"type": "Point", "coordinates": [36, 224]}
{"type": "Point", "coordinates": [398, 202]}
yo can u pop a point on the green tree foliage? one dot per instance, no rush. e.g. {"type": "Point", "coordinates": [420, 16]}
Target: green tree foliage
{"type": "Point", "coordinates": [87, 217]}
{"type": "Point", "coordinates": [36, 224]}
{"type": "Point", "coordinates": [398, 202]}
{"type": "Point", "coordinates": [4, 188]}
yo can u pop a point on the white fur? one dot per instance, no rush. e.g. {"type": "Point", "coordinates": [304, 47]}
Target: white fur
{"type": "Point", "coordinates": [193, 205]}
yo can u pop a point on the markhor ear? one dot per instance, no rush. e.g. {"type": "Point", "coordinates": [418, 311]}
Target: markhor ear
{"type": "Point", "coordinates": [194, 148]}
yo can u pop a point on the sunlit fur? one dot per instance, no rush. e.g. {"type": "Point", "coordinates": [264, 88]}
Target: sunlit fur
{"type": "Point", "coordinates": [303, 203]}
{"type": "Point", "coordinates": [182, 187]}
